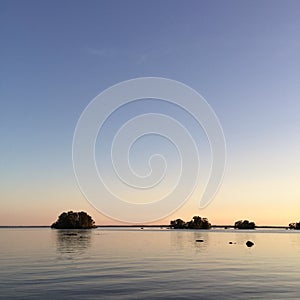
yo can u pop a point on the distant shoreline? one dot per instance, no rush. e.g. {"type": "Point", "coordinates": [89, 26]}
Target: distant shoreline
{"type": "Point", "coordinates": [149, 226]}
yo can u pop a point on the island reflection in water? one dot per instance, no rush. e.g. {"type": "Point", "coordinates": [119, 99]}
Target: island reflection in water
{"type": "Point", "coordinates": [119, 263]}
{"type": "Point", "coordinates": [73, 241]}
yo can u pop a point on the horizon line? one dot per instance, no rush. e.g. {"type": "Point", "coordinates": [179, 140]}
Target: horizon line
{"type": "Point", "coordinates": [144, 225]}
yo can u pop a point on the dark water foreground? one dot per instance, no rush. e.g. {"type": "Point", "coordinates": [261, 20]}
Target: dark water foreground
{"type": "Point", "coordinates": [40, 263]}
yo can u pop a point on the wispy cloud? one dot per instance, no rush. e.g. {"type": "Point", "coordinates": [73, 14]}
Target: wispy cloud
{"type": "Point", "coordinates": [101, 52]}
{"type": "Point", "coordinates": [153, 55]}
{"type": "Point", "coordinates": [138, 57]}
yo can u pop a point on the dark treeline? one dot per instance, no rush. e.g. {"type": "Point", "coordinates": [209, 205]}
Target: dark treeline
{"type": "Point", "coordinates": [295, 226]}
{"type": "Point", "coordinates": [203, 223]}
{"type": "Point", "coordinates": [244, 224]}
{"type": "Point", "coordinates": [74, 220]}
{"type": "Point", "coordinates": [196, 223]}
{"type": "Point", "coordinates": [81, 220]}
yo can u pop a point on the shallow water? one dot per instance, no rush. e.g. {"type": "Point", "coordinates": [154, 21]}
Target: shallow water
{"type": "Point", "coordinates": [40, 263]}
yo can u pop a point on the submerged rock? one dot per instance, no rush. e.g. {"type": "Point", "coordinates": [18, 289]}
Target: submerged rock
{"type": "Point", "coordinates": [249, 244]}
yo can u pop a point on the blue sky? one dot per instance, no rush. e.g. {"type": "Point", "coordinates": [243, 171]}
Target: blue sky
{"type": "Point", "coordinates": [242, 56]}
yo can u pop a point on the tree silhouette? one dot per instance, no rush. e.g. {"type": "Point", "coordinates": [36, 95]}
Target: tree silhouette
{"type": "Point", "coordinates": [294, 226]}
{"type": "Point", "coordinates": [74, 220]}
{"type": "Point", "coordinates": [196, 223]}
{"type": "Point", "coordinates": [244, 224]}
{"type": "Point", "coordinates": [178, 224]}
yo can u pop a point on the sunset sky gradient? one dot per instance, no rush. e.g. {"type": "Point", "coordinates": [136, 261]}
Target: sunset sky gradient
{"type": "Point", "coordinates": [243, 57]}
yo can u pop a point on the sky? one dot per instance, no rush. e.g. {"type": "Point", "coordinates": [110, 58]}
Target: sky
{"type": "Point", "coordinates": [243, 57]}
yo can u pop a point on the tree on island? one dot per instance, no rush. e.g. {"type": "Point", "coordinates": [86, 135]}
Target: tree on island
{"type": "Point", "coordinates": [244, 224]}
{"type": "Point", "coordinates": [196, 223]}
{"type": "Point", "coordinates": [74, 220]}
{"type": "Point", "coordinates": [294, 226]}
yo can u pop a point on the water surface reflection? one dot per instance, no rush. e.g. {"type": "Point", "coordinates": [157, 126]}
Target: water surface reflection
{"type": "Point", "coordinates": [73, 241]}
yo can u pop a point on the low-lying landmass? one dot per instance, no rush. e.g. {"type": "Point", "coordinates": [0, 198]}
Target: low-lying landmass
{"type": "Point", "coordinates": [295, 225]}
{"type": "Point", "coordinates": [244, 224]}
{"type": "Point", "coordinates": [196, 223]}
{"type": "Point", "coordinates": [81, 220]}
{"type": "Point", "coordinates": [74, 220]}
{"type": "Point", "coordinates": [203, 223]}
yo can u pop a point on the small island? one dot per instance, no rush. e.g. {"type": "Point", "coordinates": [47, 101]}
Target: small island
{"type": "Point", "coordinates": [196, 223]}
{"type": "Point", "coordinates": [244, 224]}
{"type": "Point", "coordinates": [295, 226]}
{"type": "Point", "coordinates": [74, 220]}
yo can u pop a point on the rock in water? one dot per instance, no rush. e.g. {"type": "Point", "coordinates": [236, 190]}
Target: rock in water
{"type": "Point", "coordinates": [249, 244]}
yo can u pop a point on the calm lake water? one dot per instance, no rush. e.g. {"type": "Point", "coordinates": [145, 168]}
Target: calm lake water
{"type": "Point", "coordinates": [41, 263]}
